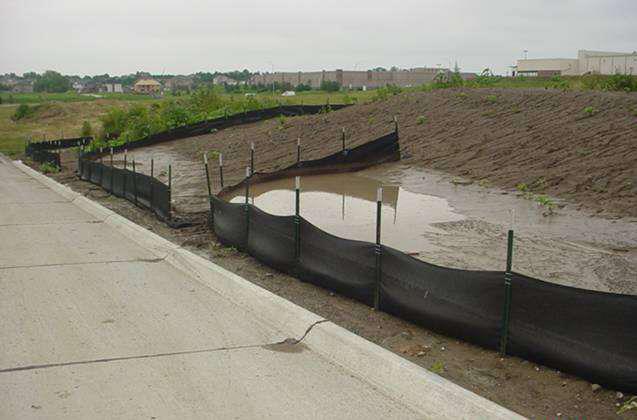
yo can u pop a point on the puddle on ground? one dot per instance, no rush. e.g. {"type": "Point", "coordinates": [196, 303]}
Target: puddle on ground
{"type": "Point", "coordinates": [345, 205]}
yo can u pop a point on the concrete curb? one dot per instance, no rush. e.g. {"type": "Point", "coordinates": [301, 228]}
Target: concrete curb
{"type": "Point", "coordinates": [411, 385]}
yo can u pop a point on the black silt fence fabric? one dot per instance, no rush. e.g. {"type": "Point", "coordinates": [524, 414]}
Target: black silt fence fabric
{"type": "Point", "coordinates": [587, 333]}
{"type": "Point", "coordinates": [42, 156]}
{"type": "Point", "coordinates": [271, 239]}
{"type": "Point", "coordinates": [59, 144]}
{"type": "Point", "coordinates": [342, 265]}
{"type": "Point", "coordinates": [95, 173]}
{"type": "Point", "coordinates": [161, 199]}
{"type": "Point", "coordinates": [461, 303]}
{"type": "Point", "coordinates": [592, 334]}
{"type": "Point", "coordinates": [230, 223]}
{"type": "Point", "coordinates": [384, 147]}
{"type": "Point", "coordinates": [118, 178]}
{"type": "Point", "coordinates": [136, 187]}
{"type": "Point", "coordinates": [107, 177]}
{"type": "Point", "coordinates": [143, 185]}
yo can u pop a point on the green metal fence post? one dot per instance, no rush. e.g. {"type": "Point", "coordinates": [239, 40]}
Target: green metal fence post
{"type": "Point", "coordinates": [112, 174]}
{"type": "Point", "coordinates": [124, 174]}
{"type": "Point", "coordinates": [377, 248]}
{"type": "Point", "coordinates": [205, 164]}
{"type": "Point", "coordinates": [247, 207]}
{"type": "Point", "coordinates": [343, 138]}
{"type": "Point", "coordinates": [506, 312]}
{"type": "Point", "coordinates": [152, 184]}
{"type": "Point", "coordinates": [170, 192]}
{"type": "Point", "coordinates": [297, 219]}
{"type": "Point", "coordinates": [134, 182]}
{"type": "Point", "coordinates": [221, 169]}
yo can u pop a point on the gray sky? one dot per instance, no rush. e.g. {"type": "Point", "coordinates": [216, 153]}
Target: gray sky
{"type": "Point", "coordinates": [123, 36]}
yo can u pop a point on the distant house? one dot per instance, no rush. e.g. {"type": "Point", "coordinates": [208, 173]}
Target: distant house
{"type": "Point", "coordinates": [113, 88]}
{"type": "Point", "coordinates": [78, 87]}
{"type": "Point", "coordinates": [222, 79]}
{"type": "Point", "coordinates": [22, 86]}
{"type": "Point", "coordinates": [180, 83]}
{"type": "Point", "coordinates": [147, 86]}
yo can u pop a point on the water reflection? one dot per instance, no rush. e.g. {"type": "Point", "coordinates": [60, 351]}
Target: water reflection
{"type": "Point", "coordinates": [345, 205]}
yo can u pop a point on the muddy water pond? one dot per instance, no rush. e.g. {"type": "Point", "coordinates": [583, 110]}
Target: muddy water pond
{"type": "Point", "coordinates": [432, 217]}
{"type": "Point", "coordinates": [345, 205]}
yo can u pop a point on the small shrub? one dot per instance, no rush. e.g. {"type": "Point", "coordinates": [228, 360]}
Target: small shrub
{"type": "Point", "coordinates": [87, 130]}
{"type": "Point", "coordinates": [589, 111]}
{"type": "Point", "coordinates": [619, 82]}
{"type": "Point", "coordinates": [484, 183]}
{"type": "Point", "coordinates": [438, 367]}
{"type": "Point", "coordinates": [421, 120]}
{"type": "Point", "coordinates": [462, 95]}
{"type": "Point", "coordinates": [330, 86]}
{"type": "Point", "coordinates": [22, 111]}
{"type": "Point", "coordinates": [522, 187]}
{"type": "Point", "coordinates": [491, 99]}
{"type": "Point", "coordinates": [539, 183]}
{"type": "Point", "coordinates": [631, 404]}
{"type": "Point", "coordinates": [583, 152]}
{"type": "Point", "coordinates": [545, 202]}
{"type": "Point", "coordinates": [49, 168]}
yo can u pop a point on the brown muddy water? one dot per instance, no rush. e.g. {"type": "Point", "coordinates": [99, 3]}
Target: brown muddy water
{"type": "Point", "coordinates": [345, 205]}
{"type": "Point", "coordinates": [430, 216]}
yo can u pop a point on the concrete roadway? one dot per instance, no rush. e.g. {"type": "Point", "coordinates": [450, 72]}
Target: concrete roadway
{"type": "Point", "coordinates": [94, 324]}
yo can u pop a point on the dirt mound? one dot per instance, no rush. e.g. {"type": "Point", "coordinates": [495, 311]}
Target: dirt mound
{"type": "Point", "coordinates": [577, 145]}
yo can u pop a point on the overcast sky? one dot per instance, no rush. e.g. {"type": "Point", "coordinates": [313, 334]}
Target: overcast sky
{"type": "Point", "coordinates": [186, 36]}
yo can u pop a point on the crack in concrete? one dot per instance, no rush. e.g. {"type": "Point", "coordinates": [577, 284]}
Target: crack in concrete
{"type": "Point", "coordinates": [146, 260]}
{"type": "Point", "coordinates": [287, 341]}
{"type": "Point", "coordinates": [70, 222]}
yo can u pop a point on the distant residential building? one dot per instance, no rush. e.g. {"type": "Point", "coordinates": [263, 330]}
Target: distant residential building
{"type": "Point", "coordinates": [113, 88]}
{"type": "Point", "coordinates": [595, 62]}
{"type": "Point", "coordinates": [222, 79]}
{"type": "Point", "coordinates": [22, 86]}
{"type": "Point", "coordinates": [147, 86]}
{"type": "Point", "coordinates": [180, 83]}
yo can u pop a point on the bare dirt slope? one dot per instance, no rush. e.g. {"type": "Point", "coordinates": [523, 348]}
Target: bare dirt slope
{"type": "Point", "coordinates": [545, 139]}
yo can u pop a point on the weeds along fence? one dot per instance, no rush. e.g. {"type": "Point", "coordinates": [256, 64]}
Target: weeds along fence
{"type": "Point", "coordinates": [149, 192]}
{"type": "Point", "coordinates": [230, 120]}
{"type": "Point", "coordinates": [590, 334]}
{"type": "Point", "coordinates": [142, 190]}
{"type": "Point", "coordinates": [47, 151]}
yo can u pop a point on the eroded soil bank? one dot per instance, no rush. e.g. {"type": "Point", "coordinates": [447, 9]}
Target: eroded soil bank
{"type": "Point", "coordinates": [580, 146]}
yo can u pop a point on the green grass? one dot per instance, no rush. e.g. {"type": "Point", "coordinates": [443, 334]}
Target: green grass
{"type": "Point", "coordinates": [35, 98]}
{"type": "Point", "coordinates": [313, 97]}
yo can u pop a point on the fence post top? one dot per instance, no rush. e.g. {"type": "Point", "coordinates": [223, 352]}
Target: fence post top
{"type": "Point", "coordinates": [297, 182]}
{"type": "Point", "coordinates": [220, 159]}
{"type": "Point", "coordinates": [247, 171]}
{"type": "Point", "coordinates": [512, 215]}
{"type": "Point", "coordinates": [379, 194]}
{"type": "Point", "coordinates": [205, 158]}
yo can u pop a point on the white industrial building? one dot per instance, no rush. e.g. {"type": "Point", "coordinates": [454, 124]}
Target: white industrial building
{"type": "Point", "coordinates": [596, 62]}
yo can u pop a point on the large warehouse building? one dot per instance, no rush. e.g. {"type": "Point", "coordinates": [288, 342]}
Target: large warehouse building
{"type": "Point", "coordinates": [597, 62]}
{"type": "Point", "coordinates": [352, 79]}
